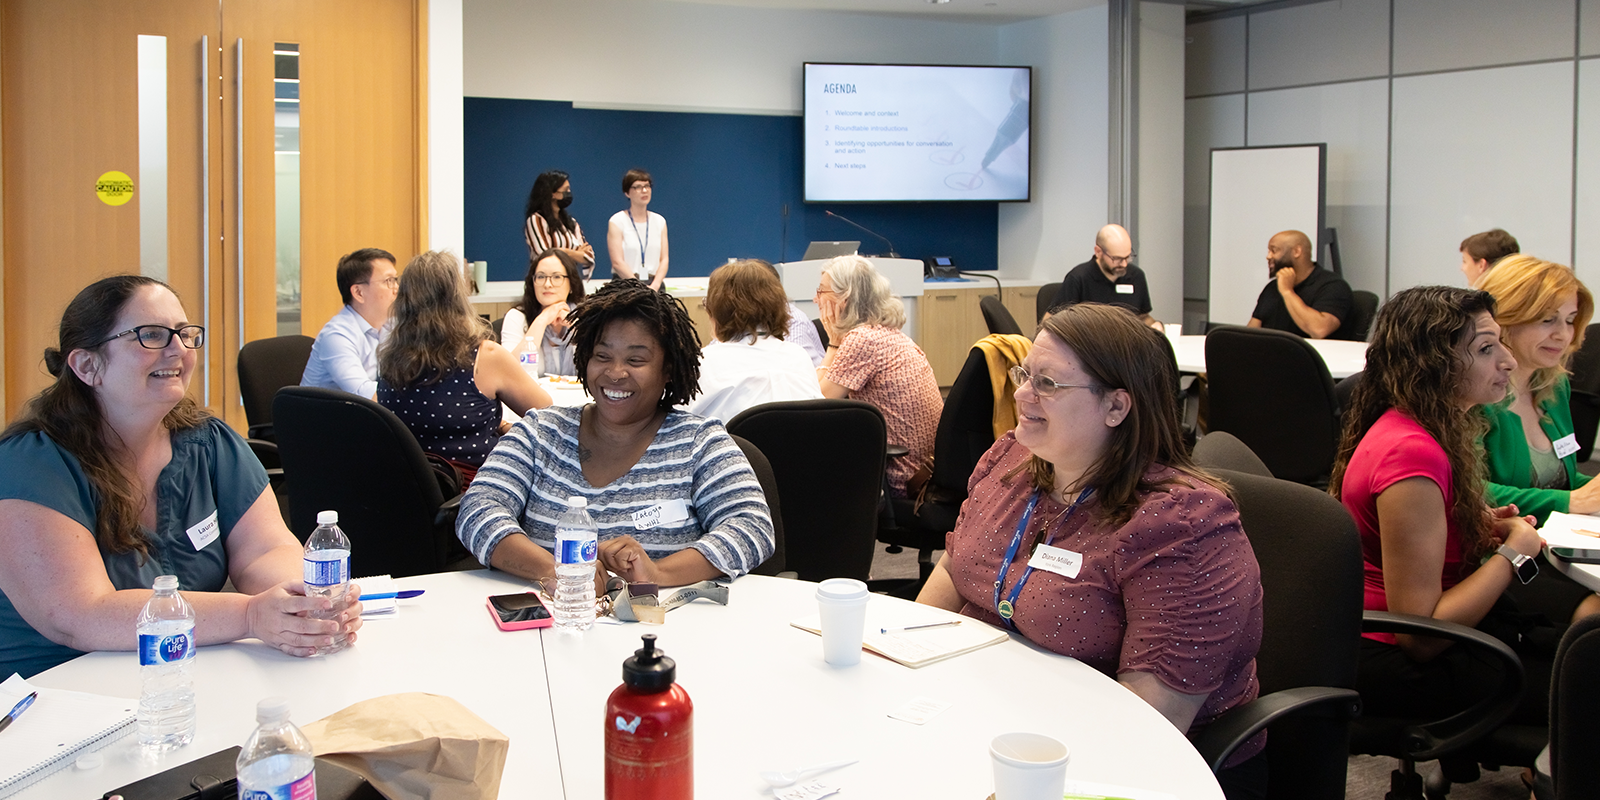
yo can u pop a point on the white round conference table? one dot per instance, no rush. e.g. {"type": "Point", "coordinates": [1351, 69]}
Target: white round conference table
{"type": "Point", "coordinates": [1343, 358]}
{"type": "Point", "coordinates": [764, 699]}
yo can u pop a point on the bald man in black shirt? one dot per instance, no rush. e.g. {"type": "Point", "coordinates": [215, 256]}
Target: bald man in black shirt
{"type": "Point", "coordinates": [1303, 298]}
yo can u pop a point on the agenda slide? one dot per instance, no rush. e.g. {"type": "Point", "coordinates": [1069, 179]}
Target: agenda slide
{"type": "Point", "coordinates": [880, 133]}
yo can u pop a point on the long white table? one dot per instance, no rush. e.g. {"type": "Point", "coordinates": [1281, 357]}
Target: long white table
{"type": "Point", "coordinates": [1343, 358]}
{"type": "Point", "coordinates": [764, 699]}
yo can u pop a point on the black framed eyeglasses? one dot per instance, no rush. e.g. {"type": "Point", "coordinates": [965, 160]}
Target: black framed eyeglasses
{"type": "Point", "coordinates": [157, 337]}
{"type": "Point", "coordinates": [1042, 385]}
{"type": "Point", "coordinates": [549, 279]}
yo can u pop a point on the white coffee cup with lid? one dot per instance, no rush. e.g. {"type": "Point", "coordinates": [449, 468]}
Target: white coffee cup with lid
{"type": "Point", "coordinates": [842, 607]}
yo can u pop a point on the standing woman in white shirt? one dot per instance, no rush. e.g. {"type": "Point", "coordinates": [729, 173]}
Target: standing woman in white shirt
{"type": "Point", "coordinates": [637, 237]}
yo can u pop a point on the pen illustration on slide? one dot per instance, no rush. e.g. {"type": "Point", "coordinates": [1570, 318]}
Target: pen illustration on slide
{"type": "Point", "coordinates": [894, 133]}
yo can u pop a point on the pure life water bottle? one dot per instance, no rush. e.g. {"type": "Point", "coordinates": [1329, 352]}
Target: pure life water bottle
{"type": "Point", "coordinates": [327, 573]}
{"type": "Point", "coordinates": [276, 762]}
{"type": "Point", "coordinates": [166, 649]}
{"type": "Point", "coordinates": [576, 543]}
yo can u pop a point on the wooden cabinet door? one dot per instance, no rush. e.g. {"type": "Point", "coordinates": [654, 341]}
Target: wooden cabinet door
{"type": "Point", "coordinates": [1019, 300]}
{"type": "Point", "coordinates": [950, 323]}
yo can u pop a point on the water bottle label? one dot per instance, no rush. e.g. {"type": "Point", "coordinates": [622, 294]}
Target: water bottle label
{"type": "Point", "coordinates": [327, 572]}
{"type": "Point", "coordinates": [165, 649]}
{"type": "Point", "coordinates": [575, 551]}
{"type": "Point", "coordinates": [529, 358]}
{"type": "Point", "coordinates": [302, 789]}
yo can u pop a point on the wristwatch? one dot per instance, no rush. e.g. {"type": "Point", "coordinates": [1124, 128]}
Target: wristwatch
{"type": "Point", "coordinates": [1526, 567]}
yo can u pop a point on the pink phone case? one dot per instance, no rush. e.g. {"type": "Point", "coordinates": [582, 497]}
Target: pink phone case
{"type": "Point", "coordinates": [520, 625]}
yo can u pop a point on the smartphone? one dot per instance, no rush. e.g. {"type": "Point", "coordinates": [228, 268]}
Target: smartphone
{"type": "Point", "coordinates": [515, 612]}
{"type": "Point", "coordinates": [1577, 555]}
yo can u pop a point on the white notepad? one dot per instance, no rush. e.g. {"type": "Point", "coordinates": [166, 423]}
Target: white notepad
{"type": "Point", "coordinates": [921, 647]}
{"type": "Point", "coordinates": [60, 726]}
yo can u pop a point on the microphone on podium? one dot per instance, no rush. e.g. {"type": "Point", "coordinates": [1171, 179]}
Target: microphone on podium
{"type": "Point", "coordinates": [891, 254]}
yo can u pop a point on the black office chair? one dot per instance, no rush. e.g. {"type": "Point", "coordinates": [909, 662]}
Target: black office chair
{"type": "Point", "coordinates": [822, 331]}
{"type": "Point", "coordinates": [769, 487]}
{"type": "Point", "coordinates": [828, 459]}
{"type": "Point", "coordinates": [965, 433]}
{"type": "Point", "coordinates": [1223, 450]}
{"type": "Point", "coordinates": [1044, 300]}
{"type": "Point", "coordinates": [1364, 307]}
{"type": "Point", "coordinates": [1585, 401]}
{"type": "Point", "coordinates": [348, 454]}
{"type": "Point", "coordinates": [997, 317]}
{"type": "Point", "coordinates": [265, 366]}
{"type": "Point", "coordinates": [1273, 391]}
{"type": "Point", "coordinates": [1572, 771]}
{"type": "Point", "coordinates": [1310, 558]}
{"type": "Point", "coordinates": [497, 326]}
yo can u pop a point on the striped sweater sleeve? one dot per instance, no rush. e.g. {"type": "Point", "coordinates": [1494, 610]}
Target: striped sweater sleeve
{"type": "Point", "coordinates": [731, 505]}
{"type": "Point", "coordinates": [499, 494]}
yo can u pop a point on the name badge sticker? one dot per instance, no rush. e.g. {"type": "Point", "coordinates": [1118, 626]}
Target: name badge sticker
{"type": "Point", "coordinates": [1124, 288]}
{"type": "Point", "coordinates": [204, 532]}
{"type": "Point", "coordinates": [1057, 560]}
{"type": "Point", "coordinates": [670, 512]}
{"type": "Point", "coordinates": [1566, 445]}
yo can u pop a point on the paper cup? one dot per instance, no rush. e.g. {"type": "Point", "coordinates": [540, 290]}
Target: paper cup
{"type": "Point", "coordinates": [1174, 329]}
{"type": "Point", "coordinates": [842, 607]}
{"type": "Point", "coordinates": [1028, 766]}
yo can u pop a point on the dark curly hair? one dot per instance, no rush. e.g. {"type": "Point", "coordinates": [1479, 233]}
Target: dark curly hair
{"type": "Point", "coordinates": [661, 314]}
{"type": "Point", "coordinates": [1416, 364]}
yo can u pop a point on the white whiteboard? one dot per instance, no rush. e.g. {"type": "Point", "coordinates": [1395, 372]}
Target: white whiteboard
{"type": "Point", "coordinates": [1255, 193]}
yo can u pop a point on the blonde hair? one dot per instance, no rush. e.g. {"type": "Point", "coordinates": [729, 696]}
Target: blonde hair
{"type": "Point", "coordinates": [864, 296]}
{"type": "Point", "coordinates": [1526, 290]}
{"type": "Point", "coordinates": [435, 330]}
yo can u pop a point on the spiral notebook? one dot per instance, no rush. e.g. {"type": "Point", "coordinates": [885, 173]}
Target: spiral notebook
{"type": "Point", "coordinates": [60, 726]}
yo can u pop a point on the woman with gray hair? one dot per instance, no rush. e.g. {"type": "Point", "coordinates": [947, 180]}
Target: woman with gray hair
{"type": "Point", "coordinates": [869, 358]}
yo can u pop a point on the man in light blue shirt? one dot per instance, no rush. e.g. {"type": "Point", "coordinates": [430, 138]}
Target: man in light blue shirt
{"type": "Point", "coordinates": [345, 355]}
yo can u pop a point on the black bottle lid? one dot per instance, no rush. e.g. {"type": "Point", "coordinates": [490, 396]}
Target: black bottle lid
{"type": "Point", "coordinates": [649, 670]}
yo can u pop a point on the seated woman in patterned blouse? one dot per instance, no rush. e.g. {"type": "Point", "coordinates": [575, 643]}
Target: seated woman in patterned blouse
{"type": "Point", "coordinates": [870, 359]}
{"type": "Point", "coordinates": [441, 372]}
{"type": "Point", "coordinates": [1164, 593]}
{"type": "Point", "coordinates": [630, 454]}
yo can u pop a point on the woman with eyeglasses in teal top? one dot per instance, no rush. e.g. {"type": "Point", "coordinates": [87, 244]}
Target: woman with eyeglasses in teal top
{"type": "Point", "coordinates": [1089, 531]}
{"type": "Point", "coordinates": [113, 476]}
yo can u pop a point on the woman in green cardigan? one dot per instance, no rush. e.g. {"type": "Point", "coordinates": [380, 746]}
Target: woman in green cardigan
{"type": "Point", "coordinates": [1542, 309]}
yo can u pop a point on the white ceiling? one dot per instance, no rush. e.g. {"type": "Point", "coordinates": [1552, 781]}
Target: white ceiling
{"type": "Point", "coordinates": [954, 10]}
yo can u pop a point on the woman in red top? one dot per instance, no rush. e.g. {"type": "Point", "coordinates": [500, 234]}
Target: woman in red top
{"type": "Point", "coordinates": [1410, 471]}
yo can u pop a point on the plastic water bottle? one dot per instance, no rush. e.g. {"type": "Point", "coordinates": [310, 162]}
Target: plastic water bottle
{"type": "Point", "coordinates": [166, 649]}
{"type": "Point", "coordinates": [276, 762]}
{"type": "Point", "coordinates": [530, 356]}
{"type": "Point", "coordinates": [327, 573]}
{"type": "Point", "coordinates": [576, 542]}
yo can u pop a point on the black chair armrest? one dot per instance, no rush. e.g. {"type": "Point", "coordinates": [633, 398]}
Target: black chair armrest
{"type": "Point", "coordinates": [263, 432]}
{"type": "Point", "coordinates": [266, 452]}
{"type": "Point", "coordinates": [448, 510]}
{"type": "Point", "coordinates": [1225, 733]}
{"type": "Point", "coordinates": [1425, 741]}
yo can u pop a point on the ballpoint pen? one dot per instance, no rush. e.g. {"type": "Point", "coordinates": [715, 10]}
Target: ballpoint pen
{"type": "Point", "coordinates": [405, 595]}
{"type": "Point", "coordinates": [947, 623]}
{"type": "Point", "coordinates": [16, 710]}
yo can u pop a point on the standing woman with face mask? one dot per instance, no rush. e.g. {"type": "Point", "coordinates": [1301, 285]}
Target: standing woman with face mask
{"type": "Point", "coordinates": [549, 225]}
{"type": "Point", "coordinates": [636, 237]}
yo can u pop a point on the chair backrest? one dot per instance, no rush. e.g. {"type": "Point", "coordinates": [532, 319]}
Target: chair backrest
{"type": "Point", "coordinates": [265, 366]}
{"type": "Point", "coordinates": [828, 459]}
{"type": "Point", "coordinates": [966, 428]}
{"type": "Point", "coordinates": [769, 487]}
{"type": "Point", "coordinates": [1311, 578]}
{"type": "Point", "coordinates": [1575, 711]}
{"type": "Point", "coordinates": [1363, 307]}
{"type": "Point", "coordinates": [348, 454]}
{"type": "Point", "coordinates": [996, 316]}
{"type": "Point", "coordinates": [1223, 450]}
{"type": "Point", "coordinates": [822, 331]}
{"type": "Point", "coordinates": [497, 326]}
{"type": "Point", "coordinates": [1273, 391]}
{"type": "Point", "coordinates": [1045, 299]}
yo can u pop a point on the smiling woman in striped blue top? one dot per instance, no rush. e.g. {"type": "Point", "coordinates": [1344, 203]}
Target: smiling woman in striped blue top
{"type": "Point", "coordinates": [673, 496]}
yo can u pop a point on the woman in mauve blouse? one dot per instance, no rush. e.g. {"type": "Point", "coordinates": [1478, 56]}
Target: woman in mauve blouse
{"type": "Point", "coordinates": [1151, 579]}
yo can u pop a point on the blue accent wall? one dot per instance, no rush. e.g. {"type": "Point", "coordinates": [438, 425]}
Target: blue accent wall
{"type": "Point", "coordinates": [722, 181]}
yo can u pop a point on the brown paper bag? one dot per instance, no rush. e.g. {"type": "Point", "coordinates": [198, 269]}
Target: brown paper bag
{"type": "Point", "coordinates": [415, 746]}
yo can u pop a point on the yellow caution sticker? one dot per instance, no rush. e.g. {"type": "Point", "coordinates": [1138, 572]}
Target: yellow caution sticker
{"type": "Point", "coordinates": [114, 188]}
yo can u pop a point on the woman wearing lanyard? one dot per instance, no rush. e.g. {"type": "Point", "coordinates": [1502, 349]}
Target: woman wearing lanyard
{"type": "Point", "coordinates": [637, 237]}
{"type": "Point", "coordinates": [1090, 532]}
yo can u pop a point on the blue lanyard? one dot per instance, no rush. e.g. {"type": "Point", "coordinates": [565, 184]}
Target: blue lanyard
{"type": "Point", "coordinates": [644, 243]}
{"type": "Point", "coordinates": [1005, 608]}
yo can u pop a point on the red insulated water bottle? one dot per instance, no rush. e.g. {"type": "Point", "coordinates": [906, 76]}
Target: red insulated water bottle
{"type": "Point", "coordinates": [649, 731]}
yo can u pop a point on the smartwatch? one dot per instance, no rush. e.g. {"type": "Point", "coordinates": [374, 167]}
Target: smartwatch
{"type": "Point", "coordinates": [1526, 567]}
